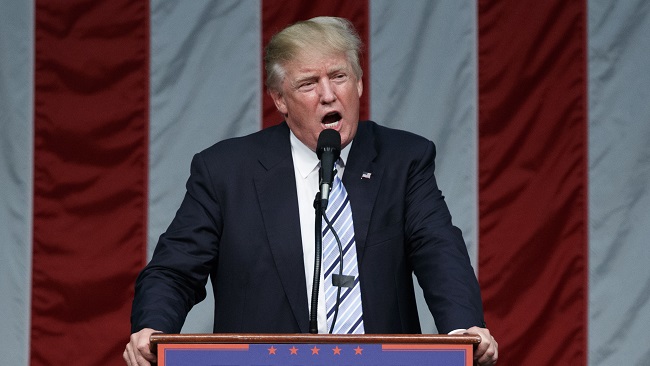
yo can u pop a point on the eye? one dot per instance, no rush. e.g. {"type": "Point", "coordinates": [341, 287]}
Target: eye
{"type": "Point", "coordinates": [306, 85]}
{"type": "Point", "coordinates": [340, 77]}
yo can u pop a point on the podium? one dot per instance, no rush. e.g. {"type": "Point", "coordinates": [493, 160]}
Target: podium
{"type": "Point", "coordinates": [314, 349]}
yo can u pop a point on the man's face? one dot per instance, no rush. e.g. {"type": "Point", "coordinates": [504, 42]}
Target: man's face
{"type": "Point", "coordinates": [319, 91]}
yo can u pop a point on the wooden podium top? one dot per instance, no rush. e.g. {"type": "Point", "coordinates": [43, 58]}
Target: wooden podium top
{"type": "Point", "coordinates": [161, 338]}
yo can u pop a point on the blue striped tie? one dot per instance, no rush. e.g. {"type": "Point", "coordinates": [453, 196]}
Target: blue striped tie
{"type": "Point", "coordinates": [349, 318]}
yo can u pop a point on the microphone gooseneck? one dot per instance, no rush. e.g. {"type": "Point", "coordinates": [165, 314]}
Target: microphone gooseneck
{"type": "Point", "coordinates": [313, 313]}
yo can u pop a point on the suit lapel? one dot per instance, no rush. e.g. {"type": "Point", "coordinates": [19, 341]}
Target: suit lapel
{"type": "Point", "coordinates": [276, 190]}
{"type": "Point", "coordinates": [362, 179]}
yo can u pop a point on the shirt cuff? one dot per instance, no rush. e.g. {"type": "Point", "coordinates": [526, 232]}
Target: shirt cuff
{"type": "Point", "coordinates": [458, 331]}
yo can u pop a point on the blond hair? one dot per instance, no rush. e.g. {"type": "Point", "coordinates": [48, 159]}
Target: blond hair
{"type": "Point", "coordinates": [329, 34]}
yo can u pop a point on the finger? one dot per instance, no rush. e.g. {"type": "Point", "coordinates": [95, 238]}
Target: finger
{"type": "Point", "coordinates": [482, 347]}
{"type": "Point", "coordinates": [129, 356]}
{"type": "Point", "coordinates": [142, 361]}
{"type": "Point", "coordinates": [491, 354]}
{"type": "Point", "coordinates": [144, 355]}
{"type": "Point", "coordinates": [484, 344]}
{"type": "Point", "coordinates": [489, 358]}
{"type": "Point", "coordinates": [135, 357]}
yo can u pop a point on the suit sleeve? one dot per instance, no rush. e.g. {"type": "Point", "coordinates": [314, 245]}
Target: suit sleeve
{"type": "Point", "coordinates": [175, 278]}
{"type": "Point", "coordinates": [437, 251]}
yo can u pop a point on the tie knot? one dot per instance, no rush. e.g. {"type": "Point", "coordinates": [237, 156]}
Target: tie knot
{"type": "Point", "coordinates": [338, 166]}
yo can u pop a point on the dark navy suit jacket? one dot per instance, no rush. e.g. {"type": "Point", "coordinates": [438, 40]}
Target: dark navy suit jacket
{"type": "Point", "coordinates": [239, 224]}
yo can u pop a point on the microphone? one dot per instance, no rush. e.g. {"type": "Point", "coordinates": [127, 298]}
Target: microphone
{"type": "Point", "coordinates": [328, 150]}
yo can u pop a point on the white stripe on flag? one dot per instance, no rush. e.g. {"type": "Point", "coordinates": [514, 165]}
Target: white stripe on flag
{"type": "Point", "coordinates": [16, 155]}
{"type": "Point", "coordinates": [619, 176]}
{"type": "Point", "coordinates": [205, 87]}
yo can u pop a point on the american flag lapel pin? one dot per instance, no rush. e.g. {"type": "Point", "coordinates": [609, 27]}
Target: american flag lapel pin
{"type": "Point", "coordinates": [366, 175]}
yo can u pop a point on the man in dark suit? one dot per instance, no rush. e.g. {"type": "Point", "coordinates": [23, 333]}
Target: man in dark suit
{"type": "Point", "coordinates": [247, 222]}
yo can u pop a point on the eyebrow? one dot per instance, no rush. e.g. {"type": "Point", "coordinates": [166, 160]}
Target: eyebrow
{"type": "Point", "coordinates": [336, 69]}
{"type": "Point", "coordinates": [310, 75]}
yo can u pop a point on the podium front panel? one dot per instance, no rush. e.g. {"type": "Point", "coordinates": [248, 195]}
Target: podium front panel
{"type": "Point", "coordinates": [303, 350]}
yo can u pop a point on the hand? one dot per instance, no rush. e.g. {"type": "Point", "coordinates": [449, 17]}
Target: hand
{"type": "Point", "coordinates": [487, 351]}
{"type": "Point", "coordinates": [138, 352]}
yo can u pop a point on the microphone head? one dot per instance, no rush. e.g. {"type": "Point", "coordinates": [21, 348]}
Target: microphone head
{"type": "Point", "coordinates": [329, 140]}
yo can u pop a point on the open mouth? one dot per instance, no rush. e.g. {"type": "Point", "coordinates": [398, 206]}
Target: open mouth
{"type": "Point", "coordinates": [331, 119]}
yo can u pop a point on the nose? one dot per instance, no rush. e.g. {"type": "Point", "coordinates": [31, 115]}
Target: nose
{"type": "Point", "coordinates": [327, 94]}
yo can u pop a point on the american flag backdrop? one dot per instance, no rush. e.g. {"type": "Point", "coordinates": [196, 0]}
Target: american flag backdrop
{"type": "Point", "coordinates": [539, 111]}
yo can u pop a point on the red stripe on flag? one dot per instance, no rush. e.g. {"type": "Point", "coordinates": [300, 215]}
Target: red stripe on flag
{"type": "Point", "coordinates": [532, 179]}
{"type": "Point", "coordinates": [277, 14]}
{"type": "Point", "coordinates": [90, 177]}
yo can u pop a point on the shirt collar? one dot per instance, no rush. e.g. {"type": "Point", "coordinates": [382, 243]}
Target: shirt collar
{"type": "Point", "coordinates": [305, 160]}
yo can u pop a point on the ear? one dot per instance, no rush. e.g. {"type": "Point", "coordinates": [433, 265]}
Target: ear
{"type": "Point", "coordinates": [278, 99]}
{"type": "Point", "coordinates": [360, 87]}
